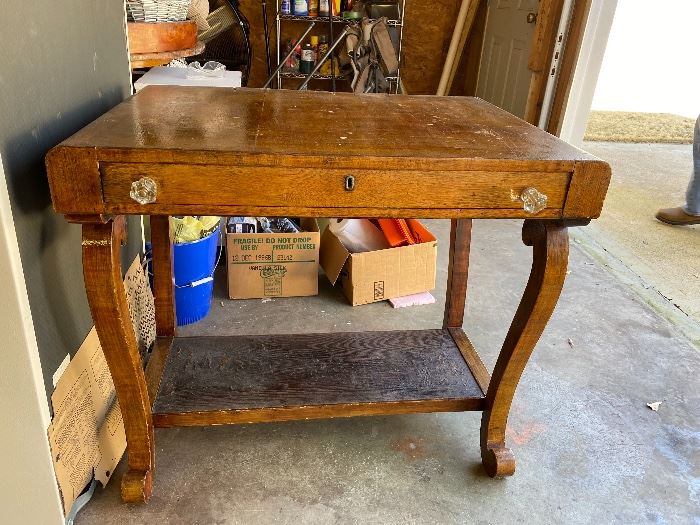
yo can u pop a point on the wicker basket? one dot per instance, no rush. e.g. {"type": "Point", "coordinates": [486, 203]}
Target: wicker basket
{"type": "Point", "coordinates": [157, 10]}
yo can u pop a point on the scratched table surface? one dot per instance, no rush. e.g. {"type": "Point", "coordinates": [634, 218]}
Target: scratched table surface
{"type": "Point", "coordinates": [320, 124]}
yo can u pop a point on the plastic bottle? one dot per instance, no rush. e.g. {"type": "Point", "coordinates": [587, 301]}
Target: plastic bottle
{"type": "Point", "coordinates": [359, 235]}
{"type": "Point", "coordinates": [286, 7]}
{"type": "Point", "coordinates": [324, 7]}
{"type": "Point", "coordinates": [314, 44]}
{"type": "Point", "coordinates": [301, 8]}
{"type": "Point", "coordinates": [307, 62]}
{"type": "Point", "coordinates": [322, 50]}
{"type": "Point", "coordinates": [313, 7]}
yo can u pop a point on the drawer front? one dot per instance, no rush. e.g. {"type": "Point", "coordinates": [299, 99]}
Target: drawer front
{"type": "Point", "coordinates": [182, 184]}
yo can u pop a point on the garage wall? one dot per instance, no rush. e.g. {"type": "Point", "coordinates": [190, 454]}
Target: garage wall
{"type": "Point", "coordinates": [62, 64]}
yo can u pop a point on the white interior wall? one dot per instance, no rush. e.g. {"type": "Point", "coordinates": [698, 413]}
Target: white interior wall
{"type": "Point", "coordinates": [28, 490]}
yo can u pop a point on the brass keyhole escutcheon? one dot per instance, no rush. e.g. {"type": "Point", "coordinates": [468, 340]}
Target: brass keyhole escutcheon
{"type": "Point", "coordinates": [349, 183]}
{"type": "Point", "coordinates": [531, 18]}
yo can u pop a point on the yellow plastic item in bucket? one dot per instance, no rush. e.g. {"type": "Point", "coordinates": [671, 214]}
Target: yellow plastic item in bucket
{"type": "Point", "coordinates": [192, 228]}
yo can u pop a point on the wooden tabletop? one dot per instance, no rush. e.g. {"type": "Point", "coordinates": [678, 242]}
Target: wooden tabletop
{"type": "Point", "coordinates": [209, 134]}
{"type": "Point", "coordinates": [320, 124]}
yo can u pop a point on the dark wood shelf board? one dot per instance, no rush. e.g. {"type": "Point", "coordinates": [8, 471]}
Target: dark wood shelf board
{"type": "Point", "coordinates": [219, 380]}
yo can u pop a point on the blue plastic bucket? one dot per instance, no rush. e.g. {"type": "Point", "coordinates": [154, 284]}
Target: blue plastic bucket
{"type": "Point", "coordinates": [193, 266]}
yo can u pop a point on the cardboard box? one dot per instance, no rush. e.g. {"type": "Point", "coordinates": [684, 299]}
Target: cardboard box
{"type": "Point", "coordinates": [273, 264]}
{"type": "Point", "coordinates": [384, 274]}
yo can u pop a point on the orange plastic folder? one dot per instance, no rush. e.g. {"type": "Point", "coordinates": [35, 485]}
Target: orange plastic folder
{"type": "Point", "coordinates": [398, 232]}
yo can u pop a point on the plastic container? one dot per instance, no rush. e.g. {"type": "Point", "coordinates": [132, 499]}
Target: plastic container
{"type": "Point", "coordinates": [359, 235]}
{"type": "Point", "coordinates": [324, 7]}
{"type": "Point", "coordinates": [300, 8]}
{"type": "Point", "coordinates": [193, 265]}
{"type": "Point", "coordinates": [313, 7]}
{"type": "Point", "coordinates": [322, 50]}
{"type": "Point", "coordinates": [308, 59]}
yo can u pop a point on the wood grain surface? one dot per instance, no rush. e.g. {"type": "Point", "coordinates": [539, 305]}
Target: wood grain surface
{"type": "Point", "coordinates": [413, 157]}
{"type": "Point", "coordinates": [284, 134]}
{"type": "Point", "coordinates": [215, 375]}
{"type": "Point", "coordinates": [298, 211]}
{"type": "Point", "coordinates": [318, 187]}
{"type": "Point", "coordinates": [291, 123]}
{"type": "Point", "coordinates": [140, 60]}
{"type": "Point", "coordinates": [471, 15]}
{"type": "Point", "coordinates": [107, 299]}
{"type": "Point", "coordinates": [543, 42]}
{"type": "Point", "coordinates": [589, 185]}
{"type": "Point", "coordinates": [155, 366]}
{"type": "Point", "coordinates": [472, 358]}
{"type": "Point", "coordinates": [74, 181]}
{"type": "Point", "coordinates": [164, 36]}
{"type": "Point", "coordinates": [550, 247]}
{"type": "Point", "coordinates": [457, 272]}
{"type": "Point", "coordinates": [163, 277]}
{"type": "Point", "coordinates": [306, 412]}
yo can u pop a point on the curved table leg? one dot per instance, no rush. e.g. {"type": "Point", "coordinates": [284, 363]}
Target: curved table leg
{"type": "Point", "coordinates": [550, 244]}
{"type": "Point", "coordinates": [107, 299]}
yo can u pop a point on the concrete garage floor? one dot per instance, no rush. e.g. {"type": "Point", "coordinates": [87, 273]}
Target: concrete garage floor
{"type": "Point", "coordinates": [588, 448]}
{"type": "Point", "coordinates": [647, 177]}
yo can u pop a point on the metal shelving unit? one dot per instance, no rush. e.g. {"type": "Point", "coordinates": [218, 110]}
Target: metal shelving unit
{"type": "Point", "coordinates": [394, 81]}
{"type": "Point", "coordinates": [294, 74]}
{"type": "Point", "coordinates": [338, 19]}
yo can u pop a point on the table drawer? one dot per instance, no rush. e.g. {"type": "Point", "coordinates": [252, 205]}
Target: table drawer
{"type": "Point", "coordinates": [181, 184]}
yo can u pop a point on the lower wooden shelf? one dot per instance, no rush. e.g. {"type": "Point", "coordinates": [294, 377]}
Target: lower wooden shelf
{"type": "Point", "coordinates": [245, 379]}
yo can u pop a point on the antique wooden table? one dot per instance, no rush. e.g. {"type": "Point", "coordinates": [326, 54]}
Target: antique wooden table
{"type": "Point", "coordinates": [193, 151]}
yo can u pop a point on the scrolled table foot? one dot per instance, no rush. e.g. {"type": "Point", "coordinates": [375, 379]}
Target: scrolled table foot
{"type": "Point", "coordinates": [498, 461]}
{"type": "Point", "coordinates": [137, 486]}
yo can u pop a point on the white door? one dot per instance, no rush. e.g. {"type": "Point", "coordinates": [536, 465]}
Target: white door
{"type": "Point", "coordinates": [504, 78]}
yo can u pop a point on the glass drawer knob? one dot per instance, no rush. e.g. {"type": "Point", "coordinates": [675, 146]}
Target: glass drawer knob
{"type": "Point", "coordinates": [144, 190]}
{"type": "Point", "coordinates": [533, 200]}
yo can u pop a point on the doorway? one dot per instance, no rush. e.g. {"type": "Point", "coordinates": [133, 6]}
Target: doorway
{"type": "Point", "coordinates": [522, 55]}
{"type": "Point", "coordinates": [642, 121]}
{"type": "Point", "coordinates": [504, 76]}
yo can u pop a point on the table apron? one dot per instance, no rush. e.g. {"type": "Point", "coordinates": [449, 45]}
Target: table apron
{"type": "Point", "coordinates": [183, 188]}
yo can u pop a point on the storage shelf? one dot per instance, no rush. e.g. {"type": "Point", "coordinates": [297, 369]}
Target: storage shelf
{"type": "Point", "coordinates": [394, 85]}
{"type": "Point", "coordinates": [294, 74]}
{"type": "Point", "coordinates": [241, 379]}
{"type": "Point", "coordinates": [338, 19]}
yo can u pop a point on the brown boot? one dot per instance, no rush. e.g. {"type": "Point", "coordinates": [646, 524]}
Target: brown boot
{"type": "Point", "coordinates": [677, 217]}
